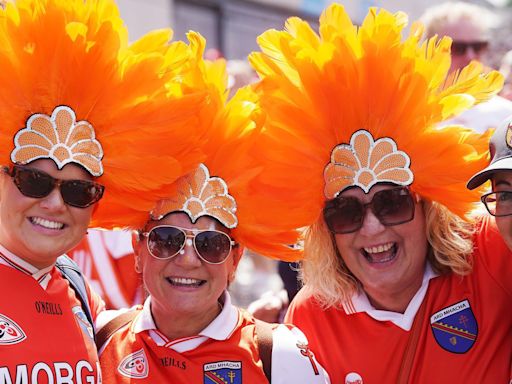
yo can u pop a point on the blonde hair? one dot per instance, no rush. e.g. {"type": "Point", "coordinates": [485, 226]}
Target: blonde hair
{"type": "Point", "coordinates": [437, 17]}
{"type": "Point", "coordinates": [330, 282]}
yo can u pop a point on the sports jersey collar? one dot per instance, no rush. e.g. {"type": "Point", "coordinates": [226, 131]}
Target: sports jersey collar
{"type": "Point", "coordinates": [360, 303]}
{"type": "Point", "coordinates": [8, 258]}
{"type": "Point", "coordinates": [220, 328]}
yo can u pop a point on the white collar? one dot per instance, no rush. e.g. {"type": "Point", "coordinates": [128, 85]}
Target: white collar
{"type": "Point", "coordinates": [220, 328]}
{"type": "Point", "coordinates": [360, 303]}
{"type": "Point", "coordinates": [11, 260]}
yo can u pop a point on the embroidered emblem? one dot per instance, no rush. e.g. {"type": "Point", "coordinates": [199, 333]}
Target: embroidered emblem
{"type": "Point", "coordinates": [61, 138]}
{"type": "Point", "coordinates": [365, 162]}
{"type": "Point", "coordinates": [508, 136]}
{"type": "Point", "coordinates": [198, 195]}
{"type": "Point", "coordinates": [305, 351]}
{"type": "Point", "coordinates": [10, 332]}
{"type": "Point", "coordinates": [353, 378]}
{"type": "Point", "coordinates": [81, 318]}
{"type": "Point", "coordinates": [455, 328]}
{"type": "Point", "coordinates": [135, 365]}
{"type": "Point", "coordinates": [223, 372]}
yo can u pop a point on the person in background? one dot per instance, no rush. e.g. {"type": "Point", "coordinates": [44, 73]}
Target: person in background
{"type": "Point", "coordinates": [498, 201]}
{"type": "Point", "coordinates": [188, 249]}
{"type": "Point", "coordinates": [106, 259]}
{"type": "Point", "coordinates": [399, 286]}
{"type": "Point", "coordinates": [470, 28]}
{"type": "Point", "coordinates": [77, 104]}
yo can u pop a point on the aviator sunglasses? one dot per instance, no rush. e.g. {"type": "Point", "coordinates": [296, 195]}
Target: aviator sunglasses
{"type": "Point", "coordinates": [345, 214]}
{"type": "Point", "coordinates": [166, 241]}
{"type": "Point", "coordinates": [32, 182]}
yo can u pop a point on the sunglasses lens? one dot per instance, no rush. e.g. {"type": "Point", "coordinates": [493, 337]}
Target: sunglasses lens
{"type": "Point", "coordinates": [165, 242]}
{"type": "Point", "coordinates": [80, 193]}
{"type": "Point", "coordinates": [32, 183]}
{"type": "Point", "coordinates": [393, 206]}
{"type": "Point", "coordinates": [214, 247]}
{"type": "Point", "coordinates": [344, 214]}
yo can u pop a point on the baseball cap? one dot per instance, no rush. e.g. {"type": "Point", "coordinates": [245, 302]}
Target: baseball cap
{"type": "Point", "coordinates": [500, 148]}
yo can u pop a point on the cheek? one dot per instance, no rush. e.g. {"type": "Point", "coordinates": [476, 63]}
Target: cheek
{"type": "Point", "coordinates": [505, 227]}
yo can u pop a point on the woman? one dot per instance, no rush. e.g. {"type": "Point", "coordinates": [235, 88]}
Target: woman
{"type": "Point", "coordinates": [187, 251]}
{"type": "Point", "coordinates": [410, 291]}
{"type": "Point", "coordinates": [499, 201]}
{"type": "Point", "coordinates": [75, 118]}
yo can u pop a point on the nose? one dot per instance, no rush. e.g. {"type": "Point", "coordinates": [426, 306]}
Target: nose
{"type": "Point", "coordinates": [188, 257]}
{"type": "Point", "coordinates": [371, 224]}
{"type": "Point", "coordinates": [53, 201]}
{"type": "Point", "coordinates": [471, 54]}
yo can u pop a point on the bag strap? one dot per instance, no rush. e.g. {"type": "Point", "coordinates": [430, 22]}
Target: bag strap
{"type": "Point", "coordinates": [412, 343]}
{"type": "Point", "coordinates": [113, 326]}
{"type": "Point", "coordinates": [264, 342]}
{"type": "Point", "coordinates": [71, 272]}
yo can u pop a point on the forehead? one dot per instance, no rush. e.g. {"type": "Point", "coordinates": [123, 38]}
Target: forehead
{"type": "Point", "coordinates": [360, 194]}
{"type": "Point", "coordinates": [182, 220]}
{"type": "Point", "coordinates": [463, 29]}
{"type": "Point", "coordinates": [502, 178]}
{"type": "Point", "coordinates": [69, 171]}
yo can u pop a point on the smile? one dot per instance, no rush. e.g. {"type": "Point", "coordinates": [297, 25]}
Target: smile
{"type": "Point", "coordinates": [46, 223]}
{"type": "Point", "coordinates": [380, 254]}
{"type": "Point", "coordinates": [185, 282]}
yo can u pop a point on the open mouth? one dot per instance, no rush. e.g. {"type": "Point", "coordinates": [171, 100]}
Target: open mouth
{"type": "Point", "coordinates": [185, 282]}
{"type": "Point", "coordinates": [380, 254]}
{"type": "Point", "coordinates": [48, 224]}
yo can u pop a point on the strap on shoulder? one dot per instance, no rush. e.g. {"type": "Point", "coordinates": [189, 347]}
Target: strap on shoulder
{"type": "Point", "coordinates": [264, 341]}
{"type": "Point", "coordinates": [71, 272]}
{"type": "Point", "coordinates": [113, 326]}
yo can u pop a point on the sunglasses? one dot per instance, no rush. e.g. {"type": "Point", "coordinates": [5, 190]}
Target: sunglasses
{"type": "Point", "coordinates": [166, 241]}
{"type": "Point", "coordinates": [498, 203]}
{"type": "Point", "coordinates": [32, 182]}
{"type": "Point", "coordinates": [391, 206]}
{"type": "Point", "coordinates": [460, 48]}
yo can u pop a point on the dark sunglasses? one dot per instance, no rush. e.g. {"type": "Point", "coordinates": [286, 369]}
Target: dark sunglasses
{"type": "Point", "coordinates": [391, 206]}
{"type": "Point", "coordinates": [166, 241]}
{"type": "Point", "coordinates": [33, 182]}
{"type": "Point", "coordinates": [498, 203]}
{"type": "Point", "coordinates": [460, 48]}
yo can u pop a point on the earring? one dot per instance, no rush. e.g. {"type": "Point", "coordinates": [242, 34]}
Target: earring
{"type": "Point", "coordinates": [138, 269]}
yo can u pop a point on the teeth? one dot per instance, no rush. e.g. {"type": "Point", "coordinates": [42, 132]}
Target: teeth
{"type": "Point", "coordinates": [184, 281]}
{"type": "Point", "coordinates": [47, 223]}
{"type": "Point", "coordinates": [379, 249]}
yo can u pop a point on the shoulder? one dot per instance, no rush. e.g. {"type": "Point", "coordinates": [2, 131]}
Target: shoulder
{"type": "Point", "coordinates": [292, 359]}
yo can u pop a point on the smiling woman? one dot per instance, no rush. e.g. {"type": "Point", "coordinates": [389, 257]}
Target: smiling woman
{"type": "Point", "coordinates": [187, 251]}
{"type": "Point", "coordinates": [72, 141]}
{"type": "Point", "coordinates": [400, 287]}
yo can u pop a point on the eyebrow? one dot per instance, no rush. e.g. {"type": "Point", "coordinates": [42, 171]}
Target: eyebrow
{"type": "Point", "coordinates": [501, 182]}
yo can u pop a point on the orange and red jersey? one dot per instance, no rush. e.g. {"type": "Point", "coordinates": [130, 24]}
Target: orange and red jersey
{"type": "Point", "coordinates": [106, 258]}
{"type": "Point", "coordinates": [465, 335]}
{"type": "Point", "coordinates": [224, 352]}
{"type": "Point", "coordinates": [44, 334]}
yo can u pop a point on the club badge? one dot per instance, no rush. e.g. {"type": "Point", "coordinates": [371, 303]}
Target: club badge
{"type": "Point", "coordinates": [455, 328]}
{"type": "Point", "coordinates": [222, 372]}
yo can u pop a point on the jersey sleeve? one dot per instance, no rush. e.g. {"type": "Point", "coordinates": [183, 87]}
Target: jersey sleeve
{"type": "Point", "coordinates": [493, 254]}
{"type": "Point", "coordinates": [292, 360]}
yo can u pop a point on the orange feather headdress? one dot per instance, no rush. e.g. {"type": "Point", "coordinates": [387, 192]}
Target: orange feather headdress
{"type": "Point", "coordinates": [221, 186]}
{"type": "Point", "coordinates": [353, 106]}
{"type": "Point", "coordinates": [73, 90]}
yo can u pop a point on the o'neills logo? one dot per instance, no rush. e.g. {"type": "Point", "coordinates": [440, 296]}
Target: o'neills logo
{"type": "Point", "coordinates": [135, 365]}
{"type": "Point", "coordinates": [10, 332]}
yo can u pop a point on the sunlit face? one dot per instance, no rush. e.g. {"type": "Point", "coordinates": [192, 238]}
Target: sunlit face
{"type": "Point", "coordinates": [184, 284]}
{"type": "Point", "coordinates": [387, 260]}
{"type": "Point", "coordinates": [39, 230]}
{"type": "Point", "coordinates": [502, 181]}
{"type": "Point", "coordinates": [465, 30]}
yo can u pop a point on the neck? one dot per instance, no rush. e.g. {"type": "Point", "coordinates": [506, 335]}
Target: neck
{"type": "Point", "coordinates": [176, 325]}
{"type": "Point", "coordinates": [395, 301]}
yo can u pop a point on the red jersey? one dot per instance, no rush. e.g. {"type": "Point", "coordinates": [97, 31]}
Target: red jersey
{"type": "Point", "coordinates": [465, 334]}
{"type": "Point", "coordinates": [44, 335]}
{"type": "Point", "coordinates": [224, 352]}
{"type": "Point", "coordinates": [106, 258]}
